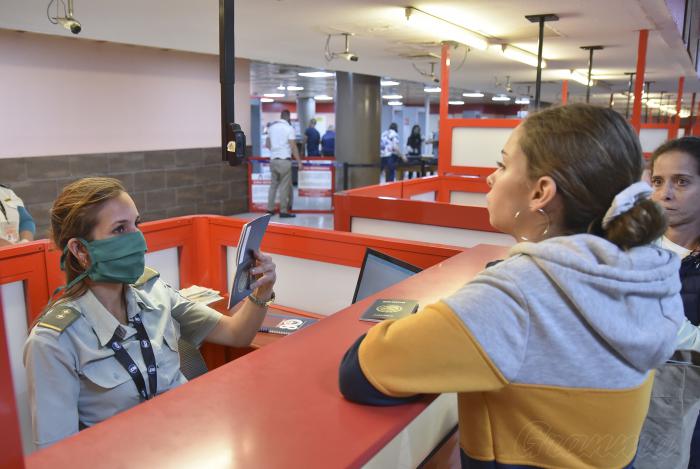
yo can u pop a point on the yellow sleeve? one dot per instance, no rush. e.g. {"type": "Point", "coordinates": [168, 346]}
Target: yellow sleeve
{"type": "Point", "coordinates": [428, 352]}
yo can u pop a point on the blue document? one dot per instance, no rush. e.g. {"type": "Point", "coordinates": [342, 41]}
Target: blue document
{"type": "Point", "coordinates": [251, 237]}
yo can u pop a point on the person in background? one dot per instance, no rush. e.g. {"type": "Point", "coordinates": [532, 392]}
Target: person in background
{"type": "Point", "coordinates": [312, 139]}
{"type": "Point", "coordinates": [551, 350]}
{"type": "Point", "coordinates": [414, 144]}
{"type": "Point", "coordinates": [390, 151]}
{"type": "Point", "coordinates": [110, 341]}
{"type": "Point", "coordinates": [16, 224]}
{"type": "Point", "coordinates": [675, 178]}
{"type": "Point", "coordinates": [328, 142]}
{"type": "Point", "coordinates": [281, 140]}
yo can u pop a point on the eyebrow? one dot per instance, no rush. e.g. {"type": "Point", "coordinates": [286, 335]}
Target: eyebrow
{"type": "Point", "coordinates": [119, 222]}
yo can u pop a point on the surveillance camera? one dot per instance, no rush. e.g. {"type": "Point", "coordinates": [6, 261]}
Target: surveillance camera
{"type": "Point", "coordinates": [71, 24]}
{"type": "Point", "coordinates": [436, 80]}
{"type": "Point", "coordinates": [349, 56]}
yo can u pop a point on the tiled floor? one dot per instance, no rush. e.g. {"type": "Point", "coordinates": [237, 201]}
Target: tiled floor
{"type": "Point", "coordinates": [323, 220]}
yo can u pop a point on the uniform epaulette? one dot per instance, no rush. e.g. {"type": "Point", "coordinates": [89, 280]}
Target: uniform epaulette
{"type": "Point", "coordinates": [59, 318]}
{"type": "Point", "coordinates": [148, 274]}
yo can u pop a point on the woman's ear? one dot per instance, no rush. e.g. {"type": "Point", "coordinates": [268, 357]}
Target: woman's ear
{"type": "Point", "coordinates": [79, 252]}
{"type": "Point", "coordinates": [543, 193]}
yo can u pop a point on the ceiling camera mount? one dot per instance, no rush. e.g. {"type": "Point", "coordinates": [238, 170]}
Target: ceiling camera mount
{"type": "Point", "coordinates": [345, 54]}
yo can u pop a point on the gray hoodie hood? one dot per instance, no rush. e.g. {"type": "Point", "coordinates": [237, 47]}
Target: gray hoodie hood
{"type": "Point", "coordinates": [629, 298]}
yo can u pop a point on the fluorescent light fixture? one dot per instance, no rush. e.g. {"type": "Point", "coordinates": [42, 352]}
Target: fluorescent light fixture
{"type": "Point", "coordinates": [323, 97]}
{"type": "Point", "coordinates": [443, 29]}
{"type": "Point", "coordinates": [522, 101]}
{"type": "Point", "coordinates": [392, 96]}
{"type": "Point", "coordinates": [653, 104]}
{"type": "Point", "coordinates": [316, 74]}
{"type": "Point", "coordinates": [519, 55]}
{"type": "Point", "coordinates": [294, 88]}
{"type": "Point", "coordinates": [473, 95]}
{"type": "Point", "coordinates": [267, 100]}
{"type": "Point", "coordinates": [500, 98]}
{"type": "Point", "coordinates": [395, 103]}
{"type": "Point", "coordinates": [432, 89]}
{"type": "Point", "coordinates": [580, 78]}
{"type": "Point", "coordinates": [456, 102]}
{"type": "Point", "coordinates": [281, 87]}
{"type": "Point", "coordinates": [388, 83]}
{"type": "Point", "coordinates": [684, 114]}
{"type": "Point", "coordinates": [274, 95]}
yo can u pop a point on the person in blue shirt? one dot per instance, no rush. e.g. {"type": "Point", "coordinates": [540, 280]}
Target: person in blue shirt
{"type": "Point", "coordinates": [16, 224]}
{"type": "Point", "coordinates": [312, 139]}
{"type": "Point", "coordinates": [328, 142]}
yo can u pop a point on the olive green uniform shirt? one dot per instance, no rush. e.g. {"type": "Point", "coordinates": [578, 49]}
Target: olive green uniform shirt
{"type": "Point", "coordinates": [72, 373]}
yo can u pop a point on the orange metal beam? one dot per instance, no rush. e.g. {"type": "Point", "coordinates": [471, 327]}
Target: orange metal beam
{"type": "Point", "coordinates": [444, 150]}
{"type": "Point", "coordinates": [673, 130]}
{"type": "Point", "coordinates": [564, 92]}
{"type": "Point", "coordinates": [639, 79]}
{"type": "Point", "coordinates": [11, 454]}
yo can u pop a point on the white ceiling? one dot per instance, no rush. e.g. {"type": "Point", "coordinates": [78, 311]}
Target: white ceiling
{"type": "Point", "coordinates": [295, 31]}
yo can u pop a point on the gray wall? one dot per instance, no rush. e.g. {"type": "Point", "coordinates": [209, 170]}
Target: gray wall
{"type": "Point", "coordinates": [163, 184]}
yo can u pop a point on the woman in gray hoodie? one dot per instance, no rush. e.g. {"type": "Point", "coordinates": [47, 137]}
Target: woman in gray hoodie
{"type": "Point", "coordinates": [551, 350]}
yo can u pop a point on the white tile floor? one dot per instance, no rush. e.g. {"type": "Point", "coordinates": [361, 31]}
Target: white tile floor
{"type": "Point", "coordinates": [323, 221]}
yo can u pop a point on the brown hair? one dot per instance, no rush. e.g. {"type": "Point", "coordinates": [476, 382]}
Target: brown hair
{"type": "Point", "coordinates": [687, 145]}
{"type": "Point", "coordinates": [592, 154]}
{"type": "Point", "coordinates": [74, 215]}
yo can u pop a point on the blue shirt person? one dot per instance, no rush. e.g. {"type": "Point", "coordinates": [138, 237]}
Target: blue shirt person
{"type": "Point", "coordinates": [328, 142]}
{"type": "Point", "coordinates": [312, 139]}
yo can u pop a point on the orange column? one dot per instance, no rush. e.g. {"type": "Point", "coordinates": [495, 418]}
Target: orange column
{"type": "Point", "coordinates": [639, 79]}
{"type": "Point", "coordinates": [673, 129]}
{"type": "Point", "coordinates": [443, 152]}
{"type": "Point", "coordinates": [564, 92]}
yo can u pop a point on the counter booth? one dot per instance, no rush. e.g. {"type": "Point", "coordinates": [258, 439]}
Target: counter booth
{"type": "Point", "coordinates": [278, 406]}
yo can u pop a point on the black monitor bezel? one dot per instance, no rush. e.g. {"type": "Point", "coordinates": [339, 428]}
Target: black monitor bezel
{"type": "Point", "coordinates": [385, 257]}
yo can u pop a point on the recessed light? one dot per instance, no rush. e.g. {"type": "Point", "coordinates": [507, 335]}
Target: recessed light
{"type": "Point", "coordinates": [294, 88]}
{"type": "Point", "coordinates": [473, 95]}
{"type": "Point", "coordinates": [500, 98]}
{"type": "Point", "coordinates": [432, 89]}
{"type": "Point", "coordinates": [316, 74]}
{"type": "Point", "coordinates": [395, 103]}
{"type": "Point", "coordinates": [522, 101]}
{"type": "Point", "coordinates": [388, 83]}
{"type": "Point", "coordinates": [392, 96]}
{"type": "Point", "coordinates": [456, 102]}
{"type": "Point", "coordinates": [274, 95]}
{"type": "Point", "coordinates": [323, 97]}
{"type": "Point", "coordinates": [267, 100]}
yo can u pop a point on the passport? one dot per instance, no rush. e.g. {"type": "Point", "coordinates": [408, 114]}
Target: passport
{"type": "Point", "coordinates": [389, 309]}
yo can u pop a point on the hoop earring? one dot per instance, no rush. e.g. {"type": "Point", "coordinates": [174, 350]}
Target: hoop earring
{"type": "Point", "coordinates": [546, 228]}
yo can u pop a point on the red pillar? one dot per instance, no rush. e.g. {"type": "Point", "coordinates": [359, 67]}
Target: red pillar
{"type": "Point", "coordinates": [673, 129]}
{"type": "Point", "coordinates": [639, 79]}
{"type": "Point", "coordinates": [564, 92]}
{"type": "Point", "coordinates": [443, 151]}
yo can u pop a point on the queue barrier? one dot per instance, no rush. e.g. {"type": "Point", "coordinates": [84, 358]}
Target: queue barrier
{"type": "Point", "coordinates": [186, 250]}
{"type": "Point", "coordinates": [438, 209]}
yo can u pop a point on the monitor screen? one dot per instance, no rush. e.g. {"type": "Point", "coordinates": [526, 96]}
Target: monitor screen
{"type": "Point", "coordinates": [380, 271]}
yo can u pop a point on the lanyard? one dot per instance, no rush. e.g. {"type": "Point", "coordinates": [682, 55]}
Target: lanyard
{"type": "Point", "coordinates": [127, 362]}
{"type": "Point", "coordinates": [2, 208]}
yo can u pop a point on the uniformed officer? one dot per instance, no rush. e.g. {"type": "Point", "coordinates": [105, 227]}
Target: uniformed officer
{"type": "Point", "coordinates": [111, 341]}
{"type": "Point", "coordinates": [16, 224]}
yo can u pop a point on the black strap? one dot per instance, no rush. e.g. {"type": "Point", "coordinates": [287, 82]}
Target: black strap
{"type": "Point", "coordinates": [127, 362]}
{"type": "Point", "coordinates": [2, 209]}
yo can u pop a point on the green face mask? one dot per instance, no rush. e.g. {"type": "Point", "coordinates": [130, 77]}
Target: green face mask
{"type": "Point", "coordinates": [119, 259]}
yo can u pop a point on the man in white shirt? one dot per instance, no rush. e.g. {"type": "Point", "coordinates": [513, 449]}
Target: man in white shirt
{"type": "Point", "coordinates": [281, 140]}
{"type": "Point", "coordinates": [390, 151]}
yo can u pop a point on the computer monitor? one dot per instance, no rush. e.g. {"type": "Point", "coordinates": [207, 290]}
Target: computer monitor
{"type": "Point", "coordinates": [380, 271]}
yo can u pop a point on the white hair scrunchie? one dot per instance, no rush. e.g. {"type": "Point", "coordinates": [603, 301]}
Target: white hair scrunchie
{"type": "Point", "coordinates": [625, 200]}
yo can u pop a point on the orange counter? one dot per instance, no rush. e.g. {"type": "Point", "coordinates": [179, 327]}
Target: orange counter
{"type": "Point", "coordinates": [277, 407]}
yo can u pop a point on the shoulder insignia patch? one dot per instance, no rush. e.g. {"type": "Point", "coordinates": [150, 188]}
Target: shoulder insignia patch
{"type": "Point", "coordinates": [148, 274]}
{"type": "Point", "coordinates": [59, 318]}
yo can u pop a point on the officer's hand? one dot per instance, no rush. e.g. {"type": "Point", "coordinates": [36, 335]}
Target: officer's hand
{"type": "Point", "coordinates": [265, 276]}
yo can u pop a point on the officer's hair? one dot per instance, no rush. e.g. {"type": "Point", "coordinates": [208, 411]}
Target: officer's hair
{"type": "Point", "coordinates": [74, 215]}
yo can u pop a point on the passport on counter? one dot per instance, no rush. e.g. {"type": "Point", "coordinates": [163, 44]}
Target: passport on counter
{"type": "Point", "coordinates": [283, 324]}
{"type": "Point", "coordinates": [389, 309]}
{"type": "Point", "coordinates": [251, 236]}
